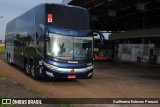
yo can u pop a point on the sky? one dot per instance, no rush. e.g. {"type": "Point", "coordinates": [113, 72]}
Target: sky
{"type": "Point", "coordinates": [11, 9]}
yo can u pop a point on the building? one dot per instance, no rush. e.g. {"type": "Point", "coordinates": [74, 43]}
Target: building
{"type": "Point", "coordinates": [134, 25]}
{"type": "Point", "coordinates": [1, 41]}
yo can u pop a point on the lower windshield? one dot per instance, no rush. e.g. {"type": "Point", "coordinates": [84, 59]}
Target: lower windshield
{"type": "Point", "coordinates": [69, 47]}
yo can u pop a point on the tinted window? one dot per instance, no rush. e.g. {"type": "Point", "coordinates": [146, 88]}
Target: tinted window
{"type": "Point", "coordinates": [68, 17]}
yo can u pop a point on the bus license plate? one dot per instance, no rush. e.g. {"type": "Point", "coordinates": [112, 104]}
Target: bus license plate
{"type": "Point", "coordinates": [71, 76]}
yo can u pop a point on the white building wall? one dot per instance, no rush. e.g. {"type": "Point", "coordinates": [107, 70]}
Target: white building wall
{"type": "Point", "coordinates": [128, 52]}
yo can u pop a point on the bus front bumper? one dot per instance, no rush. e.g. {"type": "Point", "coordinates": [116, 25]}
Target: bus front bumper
{"type": "Point", "coordinates": [53, 72]}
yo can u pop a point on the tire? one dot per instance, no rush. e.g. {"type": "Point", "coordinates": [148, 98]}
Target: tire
{"type": "Point", "coordinates": [7, 56]}
{"type": "Point", "coordinates": [27, 69]}
{"type": "Point", "coordinates": [33, 74]}
{"type": "Point", "coordinates": [10, 60]}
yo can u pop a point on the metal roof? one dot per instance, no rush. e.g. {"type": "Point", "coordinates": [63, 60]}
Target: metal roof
{"type": "Point", "coordinates": [122, 15]}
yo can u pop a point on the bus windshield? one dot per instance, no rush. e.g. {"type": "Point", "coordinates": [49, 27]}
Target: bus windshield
{"type": "Point", "coordinates": [69, 48]}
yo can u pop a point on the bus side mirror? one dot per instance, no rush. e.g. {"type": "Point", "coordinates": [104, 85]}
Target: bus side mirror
{"type": "Point", "coordinates": [97, 33]}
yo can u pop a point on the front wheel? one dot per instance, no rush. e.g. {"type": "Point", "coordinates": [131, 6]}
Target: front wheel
{"type": "Point", "coordinates": [33, 74]}
{"type": "Point", "coordinates": [27, 69]}
{"type": "Point", "coordinates": [10, 60]}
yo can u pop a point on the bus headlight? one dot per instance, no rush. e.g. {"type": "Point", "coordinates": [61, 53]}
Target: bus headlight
{"type": "Point", "coordinates": [50, 66]}
{"type": "Point", "coordinates": [90, 67]}
{"type": "Point", "coordinates": [90, 74]}
{"type": "Point", "coordinates": [49, 73]}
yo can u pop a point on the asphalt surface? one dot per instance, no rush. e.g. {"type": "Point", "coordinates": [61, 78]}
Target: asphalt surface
{"type": "Point", "coordinates": [110, 80]}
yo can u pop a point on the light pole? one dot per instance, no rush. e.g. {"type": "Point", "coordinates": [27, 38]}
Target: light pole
{"type": "Point", "coordinates": [1, 17]}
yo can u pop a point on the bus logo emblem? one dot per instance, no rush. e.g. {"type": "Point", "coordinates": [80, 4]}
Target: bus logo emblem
{"type": "Point", "coordinates": [72, 70]}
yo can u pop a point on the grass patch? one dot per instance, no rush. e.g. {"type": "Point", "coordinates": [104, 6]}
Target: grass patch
{"type": "Point", "coordinates": [2, 75]}
{"type": "Point", "coordinates": [3, 96]}
{"type": "Point", "coordinates": [6, 105]}
{"type": "Point", "coordinates": [2, 49]}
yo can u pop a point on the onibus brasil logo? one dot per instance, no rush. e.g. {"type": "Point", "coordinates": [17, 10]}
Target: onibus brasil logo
{"type": "Point", "coordinates": [21, 101]}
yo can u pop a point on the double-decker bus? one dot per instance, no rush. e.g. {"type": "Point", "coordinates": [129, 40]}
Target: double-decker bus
{"type": "Point", "coordinates": [51, 41]}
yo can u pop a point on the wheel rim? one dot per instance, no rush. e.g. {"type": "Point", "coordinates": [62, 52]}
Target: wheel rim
{"type": "Point", "coordinates": [27, 68]}
{"type": "Point", "coordinates": [10, 60]}
{"type": "Point", "coordinates": [33, 71]}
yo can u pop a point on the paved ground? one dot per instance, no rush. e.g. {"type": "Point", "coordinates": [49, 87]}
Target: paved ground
{"type": "Point", "coordinates": [111, 80]}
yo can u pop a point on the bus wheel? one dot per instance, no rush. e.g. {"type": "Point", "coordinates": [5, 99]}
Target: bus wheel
{"type": "Point", "coordinates": [10, 60]}
{"type": "Point", "coordinates": [33, 74]}
{"type": "Point", "coordinates": [27, 69]}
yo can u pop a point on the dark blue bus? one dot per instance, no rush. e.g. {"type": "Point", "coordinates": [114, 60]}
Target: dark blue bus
{"type": "Point", "coordinates": [51, 41]}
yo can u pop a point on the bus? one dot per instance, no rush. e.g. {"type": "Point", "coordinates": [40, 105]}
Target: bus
{"type": "Point", "coordinates": [104, 51]}
{"type": "Point", "coordinates": [102, 48]}
{"type": "Point", "coordinates": [51, 41]}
